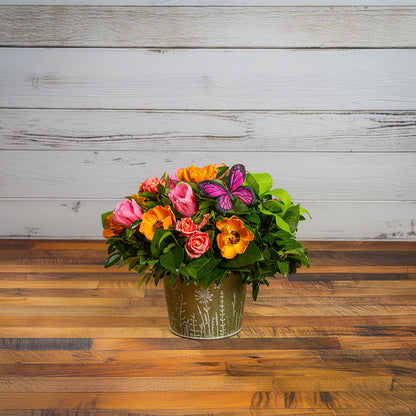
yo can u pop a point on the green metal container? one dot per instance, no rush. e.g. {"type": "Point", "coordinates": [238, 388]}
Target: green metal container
{"type": "Point", "coordinates": [197, 312]}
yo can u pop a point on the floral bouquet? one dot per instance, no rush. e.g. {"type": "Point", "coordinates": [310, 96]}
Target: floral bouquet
{"type": "Point", "coordinates": [201, 223]}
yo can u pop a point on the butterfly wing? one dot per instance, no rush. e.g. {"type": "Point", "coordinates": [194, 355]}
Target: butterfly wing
{"type": "Point", "coordinates": [211, 189]}
{"type": "Point", "coordinates": [245, 194]}
{"type": "Point", "coordinates": [236, 177]}
{"type": "Point", "coordinates": [224, 203]}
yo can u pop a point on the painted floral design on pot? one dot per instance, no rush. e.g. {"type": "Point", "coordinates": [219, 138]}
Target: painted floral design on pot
{"type": "Point", "coordinates": [215, 312]}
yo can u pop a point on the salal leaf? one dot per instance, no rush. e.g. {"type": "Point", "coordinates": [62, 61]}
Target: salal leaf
{"type": "Point", "coordinates": [113, 259]}
{"type": "Point", "coordinates": [280, 222]}
{"type": "Point", "coordinates": [260, 182]}
{"type": "Point", "coordinates": [283, 267]}
{"type": "Point", "coordinates": [172, 260]}
{"type": "Point", "coordinates": [159, 242]}
{"type": "Point", "coordinates": [282, 195]}
{"type": "Point", "coordinates": [292, 217]}
{"type": "Point", "coordinates": [214, 275]}
{"type": "Point", "coordinates": [250, 256]}
{"type": "Point", "coordinates": [203, 265]}
{"type": "Point", "coordinates": [305, 211]}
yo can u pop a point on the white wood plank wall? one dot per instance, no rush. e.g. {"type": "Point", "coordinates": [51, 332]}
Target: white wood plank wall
{"type": "Point", "coordinates": [97, 95]}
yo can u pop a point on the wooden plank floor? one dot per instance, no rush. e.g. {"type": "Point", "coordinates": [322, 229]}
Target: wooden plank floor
{"type": "Point", "coordinates": [336, 339]}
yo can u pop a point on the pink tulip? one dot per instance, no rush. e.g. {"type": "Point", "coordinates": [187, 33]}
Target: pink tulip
{"type": "Point", "coordinates": [127, 212]}
{"type": "Point", "coordinates": [183, 199]}
{"type": "Point", "coordinates": [173, 179]}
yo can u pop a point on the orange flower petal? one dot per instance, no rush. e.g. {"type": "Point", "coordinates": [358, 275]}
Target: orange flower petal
{"type": "Point", "coordinates": [156, 215]}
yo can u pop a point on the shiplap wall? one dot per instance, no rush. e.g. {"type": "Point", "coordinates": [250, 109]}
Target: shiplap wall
{"type": "Point", "coordinates": [97, 95]}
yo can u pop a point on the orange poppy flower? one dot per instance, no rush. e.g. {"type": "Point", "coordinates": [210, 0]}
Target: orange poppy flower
{"type": "Point", "coordinates": [196, 175]}
{"type": "Point", "coordinates": [234, 237]}
{"type": "Point", "coordinates": [157, 218]}
{"type": "Point", "coordinates": [112, 228]}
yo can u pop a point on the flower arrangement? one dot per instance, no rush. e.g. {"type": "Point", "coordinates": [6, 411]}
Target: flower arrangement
{"type": "Point", "coordinates": [199, 223]}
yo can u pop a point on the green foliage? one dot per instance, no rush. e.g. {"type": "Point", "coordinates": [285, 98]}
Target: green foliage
{"type": "Point", "coordinates": [273, 220]}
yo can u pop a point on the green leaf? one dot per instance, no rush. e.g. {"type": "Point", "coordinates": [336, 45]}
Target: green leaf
{"type": "Point", "coordinates": [125, 261]}
{"type": "Point", "coordinates": [148, 195]}
{"type": "Point", "coordinates": [203, 265]}
{"type": "Point", "coordinates": [283, 267]}
{"type": "Point", "coordinates": [254, 218]}
{"type": "Point", "coordinates": [188, 273]}
{"type": "Point", "coordinates": [260, 182]}
{"type": "Point", "coordinates": [282, 224]}
{"type": "Point", "coordinates": [250, 256]}
{"type": "Point", "coordinates": [239, 207]}
{"type": "Point", "coordinates": [206, 205]}
{"type": "Point", "coordinates": [134, 262]}
{"type": "Point", "coordinates": [274, 206]}
{"type": "Point", "coordinates": [215, 275]}
{"type": "Point", "coordinates": [282, 195]}
{"type": "Point", "coordinates": [172, 279]}
{"type": "Point", "coordinates": [111, 248]}
{"type": "Point", "coordinates": [305, 211]}
{"type": "Point", "coordinates": [252, 183]}
{"type": "Point", "coordinates": [151, 204]}
{"type": "Point", "coordinates": [104, 216]}
{"type": "Point", "coordinates": [129, 233]}
{"type": "Point", "coordinates": [112, 260]}
{"type": "Point", "coordinates": [165, 201]}
{"type": "Point", "coordinates": [292, 217]}
{"type": "Point", "coordinates": [159, 241]}
{"type": "Point", "coordinates": [160, 188]}
{"type": "Point", "coordinates": [172, 260]}
{"type": "Point", "coordinates": [255, 290]}
{"type": "Point", "coordinates": [169, 247]}
{"type": "Point", "coordinates": [135, 224]}
{"type": "Point", "coordinates": [222, 170]}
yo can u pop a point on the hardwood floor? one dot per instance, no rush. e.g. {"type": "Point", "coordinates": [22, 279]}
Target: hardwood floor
{"type": "Point", "coordinates": [336, 339]}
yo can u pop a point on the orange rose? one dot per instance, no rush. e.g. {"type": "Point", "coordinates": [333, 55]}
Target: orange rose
{"type": "Point", "coordinates": [196, 175]}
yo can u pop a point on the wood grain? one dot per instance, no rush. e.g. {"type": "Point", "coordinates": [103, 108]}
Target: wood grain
{"type": "Point", "coordinates": [85, 342]}
{"type": "Point", "coordinates": [179, 131]}
{"type": "Point", "coordinates": [235, 27]}
{"type": "Point", "coordinates": [204, 3]}
{"type": "Point", "coordinates": [88, 174]}
{"type": "Point", "coordinates": [209, 79]}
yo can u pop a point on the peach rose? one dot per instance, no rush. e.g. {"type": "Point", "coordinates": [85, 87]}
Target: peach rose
{"type": "Point", "coordinates": [186, 226]}
{"type": "Point", "coordinates": [197, 244]}
{"type": "Point", "coordinates": [150, 185]}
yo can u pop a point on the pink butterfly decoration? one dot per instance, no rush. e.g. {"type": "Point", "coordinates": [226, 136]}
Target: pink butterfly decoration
{"type": "Point", "coordinates": [226, 193]}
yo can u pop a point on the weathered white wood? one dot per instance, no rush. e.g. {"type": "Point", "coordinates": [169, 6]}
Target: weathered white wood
{"type": "Point", "coordinates": [314, 176]}
{"type": "Point", "coordinates": [214, 2]}
{"type": "Point", "coordinates": [231, 27]}
{"type": "Point", "coordinates": [208, 79]}
{"type": "Point", "coordinates": [115, 130]}
{"type": "Point", "coordinates": [331, 220]}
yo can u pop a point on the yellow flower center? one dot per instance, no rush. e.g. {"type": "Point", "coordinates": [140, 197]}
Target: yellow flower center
{"type": "Point", "coordinates": [235, 237]}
